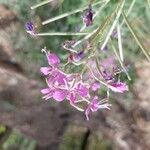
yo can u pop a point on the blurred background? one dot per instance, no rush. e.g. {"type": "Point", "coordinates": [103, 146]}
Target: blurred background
{"type": "Point", "coordinates": [29, 123]}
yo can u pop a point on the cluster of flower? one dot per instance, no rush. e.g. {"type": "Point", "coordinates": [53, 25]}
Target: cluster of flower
{"type": "Point", "coordinates": [80, 89]}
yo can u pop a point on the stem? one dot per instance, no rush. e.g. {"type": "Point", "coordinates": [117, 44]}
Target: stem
{"type": "Point", "coordinates": [120, 43]}
{"type": "Point", "coordinates": [128, 12]}
{"type": "Point", "coordinates": [62, 34]}
{"type": "Point", "coordinates": [41, 4]}
{"type": "Point", "coordinates": [113, 25]}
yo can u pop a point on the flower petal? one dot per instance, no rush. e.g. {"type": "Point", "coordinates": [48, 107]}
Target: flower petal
{"type": "Point", "coordinates": [53, 59]}
{"type": "Point", "coordinates": [45, 90]}
{"type": "Point", "coordinates": [95, 86]}
{"type": "Point", "coordinates": [45, 70]}
{"type": "Point", "coordinates": [118, 87]}
{"type": "Point", "coordinates": [82, 90]}
{"type": "Point", "coordinates": [59, 95]}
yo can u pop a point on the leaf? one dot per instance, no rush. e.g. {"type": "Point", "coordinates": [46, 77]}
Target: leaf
{"type": "Point", "coordinates": [41, 4]}
{"type": "Point", "coordinates": [62, 34]}
{"type": "Point", "coordinates": [128, 12]}
{"type": "Point", "coordinates": [121, 5]}
{"type": "Point", "coordinates": [120, 43]}
{"type": "Point", "coordinates": [137, 39]}
{"type": "Point", "coordinates": [148, 1]}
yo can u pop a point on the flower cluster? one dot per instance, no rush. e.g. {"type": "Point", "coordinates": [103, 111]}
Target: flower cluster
{"type": "Point", "coordinates": [82, 89]}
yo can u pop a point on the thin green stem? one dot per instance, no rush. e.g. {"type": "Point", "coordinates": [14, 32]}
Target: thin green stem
{"type": "Point", "coordinates": [120, 42]}
{"type": "Point", "coordinates": [137, 39]}
{"type": "Point", "coordinates": [114, 24]}
{"type": "Point", "coordinates": [62, 34]}
{"type": "Point", "coordinates": [41, 4]}
{"type": "Point", "coordinates": [128, 12]}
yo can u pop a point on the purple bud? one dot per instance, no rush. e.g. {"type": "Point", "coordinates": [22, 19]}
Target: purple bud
{"type": "Point", "coordinates": [114, 34]}
{"type": "Point", "coordinates": [88, 17]}
{"type": "Point", "coordinates": [30, 28]}
{"type": "Point", "coordinates": [79, 56]}
{"type": "Point", "coordinates": [53, 59]}
{"type": "Point", "coordinates": [105, 48]}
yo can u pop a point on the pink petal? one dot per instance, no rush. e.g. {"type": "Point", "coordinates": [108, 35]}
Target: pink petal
{"type": "Point", "coordinates": [72, 98]}
{"type": "Point", "coordinates": [105, 106]}
{"type": "Point", "coordinates": [59, 95]}
{"type": "Point", "coordinates": [45, 91]}
{"type": "Point", "coordinates": [118, 87]}
{"type": "Point", "coordinates": [45, 70]}
{"type": "Point", "coordinates": [53, 59]}
{"type": "Point", "coordinates": [95, 86]}
{"type": "Point", "coordinates": [82, 90]}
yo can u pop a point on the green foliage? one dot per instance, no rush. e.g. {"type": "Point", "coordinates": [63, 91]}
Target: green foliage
{"type": "Point", "coordinates": [2, 129]}
{"type": "Point", "coordinates": [17, 141]}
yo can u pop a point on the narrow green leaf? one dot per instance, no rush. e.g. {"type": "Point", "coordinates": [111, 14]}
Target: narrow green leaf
{"type": "Point", "coordinates": [148, 1]}
{"type": "Point", "coordinates": [69, 13]}
{"type": "Point", "coordinates": [128, 12]}
{"type": "Point", "coordinates": [121, 63]}
{"type": "Point", "coordinates": [137, 39]}
{"type": "Point", "coordinates": [41, 4]}
{"type": "Point", "coordinates": [62, 34]}
{"type": "Point", "coordinates": [121, 5]}
{"type": "Point", "coordinates": [120, 43]}
{"type": "Point", "coordinates": [96, 13]}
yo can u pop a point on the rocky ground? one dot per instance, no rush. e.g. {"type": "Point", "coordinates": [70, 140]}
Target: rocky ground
{"type": "Point", "coordinates": [44, 125]}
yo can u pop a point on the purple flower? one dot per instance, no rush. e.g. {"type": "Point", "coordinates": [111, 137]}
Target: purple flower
{"type": "Point", "coordinates": [59, 95]}
{"type": "Point", "coordinates": [108, 68]}
{"type": "Point", "coordinates": [48, 93]}
{"type": "Point", "coordinates": [79, 56]}
{"type": "Point", "coordinates": [53, 59]}
{"type": "Point", "coordinates": [46, 70]}
{"type": "Point", "coordinates": [95, 106]}
{"type": "Point", "coordinates": [78, 91]}
{"type": "Point", "coordinates": [95, 86]}
{"type": "Point", "coordinates": [88, 17]}
{"type": "Point", "coordinates": [105, 48]}
{"type": "Point", "coordinates": [30, 28]}
{"type": "Point", "coordinates": [114, 34]}
{"type": "Point", "coordinates": [82, 89]}
{"type": "Point", "coordinates": [57, 77]}
{"type": "Point", "coordinates": [56, 94]}
{"type": "Point", "coordinates": [118, 87]}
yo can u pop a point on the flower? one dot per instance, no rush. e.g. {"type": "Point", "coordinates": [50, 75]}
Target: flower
{"type": "Point", "coordinates": [114, 34]}
{"type": "Point", "coordinates": [82, 89]}
{"type": "Point", "coordinates": [57, 94]}
{"type": "Point", "coordinates": [95, 86]}
{"type": "Point", "coordinates": [88, 17]}
{"type": "Point", "coordinates": [108, 68]}
{"type": "Point", "coordinates": [95, 106]}
{"type": "Point", "coordinates": [79, 56]}
{"type": "Point", "coordinates": [46, 70]}
{"type": "Point", "coordinates": [118, 87]}
{"type": "Point", "coordinates": [53, 59]}
{"type": "Point", "coordinates": [30, 28]}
